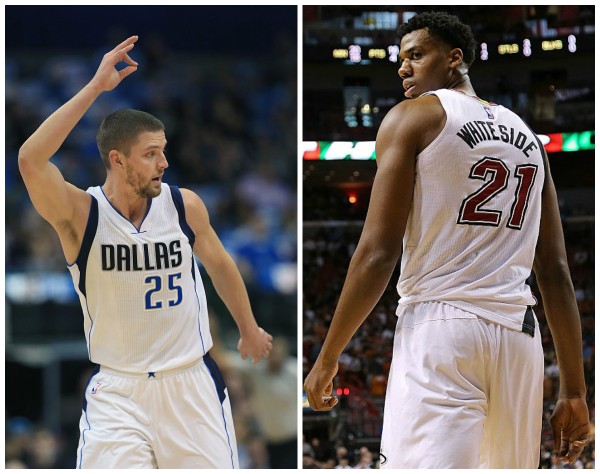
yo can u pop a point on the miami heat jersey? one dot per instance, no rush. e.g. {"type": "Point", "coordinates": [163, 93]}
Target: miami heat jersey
{"type": "Point", "coordinates": [140, 289]}
{"type": "Point", "coordinates": [473, 227]}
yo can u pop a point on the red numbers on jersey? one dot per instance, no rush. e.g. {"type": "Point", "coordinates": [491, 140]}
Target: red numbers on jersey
{"type": "Point", "coordinates": [496, 174]}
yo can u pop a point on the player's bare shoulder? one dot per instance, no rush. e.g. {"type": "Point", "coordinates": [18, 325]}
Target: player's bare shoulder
{"type": "Point", "coordinates": [191, 199]}
{"type": "Point", "coordinates": [418, 121]}
{"type": "Point", "coordinates": [196, 213]}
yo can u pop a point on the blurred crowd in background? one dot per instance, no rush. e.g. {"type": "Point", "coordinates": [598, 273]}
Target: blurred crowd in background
{"type": "Point", "coordinates": [365, 363]}
{"type": "Point", "coordinates": [231, 128]}
{"type": "Point", "coordinates": [497, 22]}
{"type": "Point", "coordinates": [552, 96]}
{"type": "Point", "coordinates": [231, 124]}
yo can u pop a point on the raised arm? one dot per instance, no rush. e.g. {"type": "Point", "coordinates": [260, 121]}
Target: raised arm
{"type": "Point", "coordinates": [402, 135]}
{"type": "Point", "coordinates": [57, 201]}
{"type": "Point", "coordinates": [570, 420]}
{"type": "Point", "coordinates": [254, 341]}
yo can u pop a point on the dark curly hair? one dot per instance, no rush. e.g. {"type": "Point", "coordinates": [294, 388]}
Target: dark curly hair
{"type": "Point", "coordinates": [447, 28]}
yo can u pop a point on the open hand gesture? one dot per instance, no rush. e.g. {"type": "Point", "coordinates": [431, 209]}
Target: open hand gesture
{"type": "Point", "coordinates": [107, 76]}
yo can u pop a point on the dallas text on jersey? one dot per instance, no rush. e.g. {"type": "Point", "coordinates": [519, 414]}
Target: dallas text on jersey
{"type": "Point", "coordinates": [478, 130]}
{"type": "Point", "coordinates": [155, 256]}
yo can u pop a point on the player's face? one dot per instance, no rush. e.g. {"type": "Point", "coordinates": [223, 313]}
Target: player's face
{"type": "Point", "coordinates": [424, 63]}
{"type": "Point", "coordinates": [146, 164]}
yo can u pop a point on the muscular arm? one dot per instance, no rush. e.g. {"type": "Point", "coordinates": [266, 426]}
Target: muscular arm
{"type": "Point", "coordinates": [51, 195]}
{"type": "Point", "coordinates": [226, 278]}
{"type": "Point", "coordinates": [554, 281]}
{"type": "Point", "coordinates": [57, 201]}
{"type": "Point", "coordinates": [405, 131]}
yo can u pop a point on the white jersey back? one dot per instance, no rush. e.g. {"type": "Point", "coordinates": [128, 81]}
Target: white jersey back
{"type": "Point", "coordinates": [473, 226]}
{"type": "Point", "coordinates": [140, 289]}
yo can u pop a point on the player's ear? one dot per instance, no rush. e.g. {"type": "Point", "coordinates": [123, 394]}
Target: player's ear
{"type": "Point", "coordinates": [456, 58]}
{"type": "Point", "coordinates": [116, 159]}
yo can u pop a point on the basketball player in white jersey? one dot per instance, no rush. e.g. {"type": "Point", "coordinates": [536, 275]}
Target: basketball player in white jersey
{"type": "Point", "coordinates": [157, 399]}
{"type": "Point", "coordinates": [463, 190]}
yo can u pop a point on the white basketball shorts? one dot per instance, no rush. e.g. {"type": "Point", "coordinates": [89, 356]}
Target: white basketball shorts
{"type": "Point", "coordinates": [175, 419]}
{"type": "Point", "coordinates": [462, 393]}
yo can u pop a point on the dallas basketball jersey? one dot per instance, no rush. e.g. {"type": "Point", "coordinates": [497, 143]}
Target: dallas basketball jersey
{"type": "Point", "coordinates": [140, 289]}
{"type": "Point", "coordinates": [474, 222]}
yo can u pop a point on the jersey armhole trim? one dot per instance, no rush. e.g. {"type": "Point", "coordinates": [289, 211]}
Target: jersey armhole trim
{"type": "Point", "coordinates": [179, 205]}
{"type": "Point", "coordinates": [86, 243]}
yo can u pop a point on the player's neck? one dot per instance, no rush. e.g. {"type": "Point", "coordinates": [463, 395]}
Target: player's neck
{"type": "Point", "coordinates": [462, 83]}
{"type": "Point", "coordinates": [122, 197]}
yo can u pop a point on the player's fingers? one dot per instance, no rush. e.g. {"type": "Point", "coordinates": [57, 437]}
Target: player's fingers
{"type": "Point", "coordinates": [330, 402]}
{"type": "Point", "coordinates": [556, 434]}
{"type": "Point", "coordinates": [115, 57]}
{"type": "Point", "coordinates": [319, 404]}
{"type": "Point", "coordinates": [128, 41]}
{"type": "Point", "coordinates": [121, 54]}
{"type": "Point", "coordinates": [326, 403]}
{"type": "Point", "coordinates": [575, 450]}
{"type": "Point", "coordinates": [315, 403]}
{"type": "Point", "coordinates": [269, 337]}
{"type": "Point", "coordinates": [573, 441]}
{"type": "Point", "coordinates": [123, 73]}
{"type": "Point", "coordinates": [564, 446]}
{"type": "Point", "coordinates": [130, 61]}
{"type": "Point", "coordinates": [314, 396]}
{"type": "Point", "coordinates": [329, 389]}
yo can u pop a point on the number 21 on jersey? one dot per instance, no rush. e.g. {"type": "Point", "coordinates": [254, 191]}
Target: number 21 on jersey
{"type": "Point", "coordinates": [496, 175]}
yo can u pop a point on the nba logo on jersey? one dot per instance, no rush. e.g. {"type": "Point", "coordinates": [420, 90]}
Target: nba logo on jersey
{"type": "Point", "coordinates": [489, 113]}
{"type": "Point", "coordinates": [95, 388]}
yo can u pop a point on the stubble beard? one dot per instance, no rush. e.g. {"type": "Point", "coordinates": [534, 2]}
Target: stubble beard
{"type": "Point", "coordinates": [146, 191]}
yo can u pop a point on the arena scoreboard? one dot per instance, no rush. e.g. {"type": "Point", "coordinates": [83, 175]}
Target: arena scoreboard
{"type": "Point", "coordinates": [364, 53]}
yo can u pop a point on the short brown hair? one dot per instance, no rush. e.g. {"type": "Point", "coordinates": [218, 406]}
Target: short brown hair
{"type": "Point", "coordinates": [120, 130]}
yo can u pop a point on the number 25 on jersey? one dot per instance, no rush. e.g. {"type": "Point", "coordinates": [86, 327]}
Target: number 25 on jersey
{"type": "Point", "coordinates": [175, 294]}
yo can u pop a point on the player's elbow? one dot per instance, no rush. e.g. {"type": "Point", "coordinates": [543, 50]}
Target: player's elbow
{"type": "Point", "coordinates": [26, 160]}
{"type": "Point", "coordinates": [378, 259]}
{"type": "Point", "coordinates": [552, 272]}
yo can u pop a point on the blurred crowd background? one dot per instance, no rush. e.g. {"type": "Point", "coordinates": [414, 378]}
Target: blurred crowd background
{"type": "Point", "coordinates": [344, 99]}
{"type": "Point", "coordinates": [224, 82]}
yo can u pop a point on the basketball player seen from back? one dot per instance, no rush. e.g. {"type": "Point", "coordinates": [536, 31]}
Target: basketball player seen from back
{"type": "Point", "coordinates": [463, 191]}
{"type": "Point", "coordinates": [157, 399]}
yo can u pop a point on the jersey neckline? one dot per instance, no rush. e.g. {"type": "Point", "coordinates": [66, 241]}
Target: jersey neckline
{"type": "Point", "coordinates": [479, 99]}
{"type": "Point", "coordinates": [139, 231]}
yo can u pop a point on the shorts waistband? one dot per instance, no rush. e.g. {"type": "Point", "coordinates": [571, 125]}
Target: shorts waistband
{"type": "Point", "coordinates": [153, 375]}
